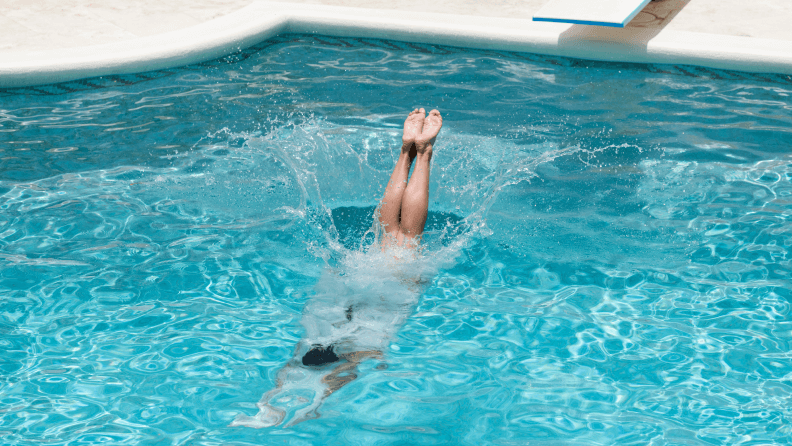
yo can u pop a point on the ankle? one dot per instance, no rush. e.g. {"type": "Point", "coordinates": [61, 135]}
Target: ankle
{"type": "Point", "coordinates": [408, 156]}
{"type": "Point", "coordinates": [424, 149]}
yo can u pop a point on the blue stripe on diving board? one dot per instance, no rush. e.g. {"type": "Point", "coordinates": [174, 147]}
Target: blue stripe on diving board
{"type": "Point", "coordinates": [580, 22]}
{"type": "Point", "coordinates": [632, 15]}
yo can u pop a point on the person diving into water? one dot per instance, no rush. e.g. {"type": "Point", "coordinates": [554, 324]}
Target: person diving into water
{"type": "Point", "coordinates": [403, 210]}
{"type": "Point", "coordinates": [353, 316]}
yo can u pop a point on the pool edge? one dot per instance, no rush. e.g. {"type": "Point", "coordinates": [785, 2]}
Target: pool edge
{"type": "Point", "coordinates": [262, 20]}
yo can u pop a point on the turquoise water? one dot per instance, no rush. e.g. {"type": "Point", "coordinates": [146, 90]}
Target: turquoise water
{"type": "Point", "coordinates": [607, 262]}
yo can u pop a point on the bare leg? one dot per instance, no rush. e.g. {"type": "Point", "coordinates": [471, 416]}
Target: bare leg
{"type": "Point", "coordinates": [390, 208]}
{"type": "Point", "coordinates": [340, 376]}
{"type": "Point", "coordinates": [415, 202]}
{"type": "Point", "coordinates": [329, 381]}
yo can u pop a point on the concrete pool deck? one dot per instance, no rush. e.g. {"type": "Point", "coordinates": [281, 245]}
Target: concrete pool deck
{"type": "Point", "coordinates": [47, 41]}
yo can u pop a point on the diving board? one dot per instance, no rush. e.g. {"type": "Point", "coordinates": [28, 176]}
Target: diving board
{"type": "Point", "coordinates": [616, 13]}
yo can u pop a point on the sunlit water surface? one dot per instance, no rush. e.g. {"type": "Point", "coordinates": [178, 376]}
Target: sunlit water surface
{"type": "Point", "coordinates": [607, 261]}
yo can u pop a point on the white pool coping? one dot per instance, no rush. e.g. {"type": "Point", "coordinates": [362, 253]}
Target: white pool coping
{"type": "Point", "coordinates": [263, 20]}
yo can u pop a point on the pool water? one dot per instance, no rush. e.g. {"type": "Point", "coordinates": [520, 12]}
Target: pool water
{"type": "Point", "coordinates": [607, 258]}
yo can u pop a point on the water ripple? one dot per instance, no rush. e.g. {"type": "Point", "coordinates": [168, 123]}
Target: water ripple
{"type": "Point", "coordinates": [606, 261]}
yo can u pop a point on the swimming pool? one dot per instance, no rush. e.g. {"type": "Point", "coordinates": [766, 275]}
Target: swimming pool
{"type": "Point", "coordinates": [607, 262]}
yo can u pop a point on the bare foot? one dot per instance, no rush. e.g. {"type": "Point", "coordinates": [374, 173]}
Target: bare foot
{"type": "Point", "coordinates": [431, 127]}
{"type": "Point", "coordinates": [413, 126]}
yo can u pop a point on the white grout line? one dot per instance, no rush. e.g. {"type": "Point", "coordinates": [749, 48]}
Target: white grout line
{"type": "Point", "coordinates": [263, 20]}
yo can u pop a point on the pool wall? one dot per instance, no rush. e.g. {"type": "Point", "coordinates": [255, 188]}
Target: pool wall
{"type": "Point", "coordinates": [262, 20]}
